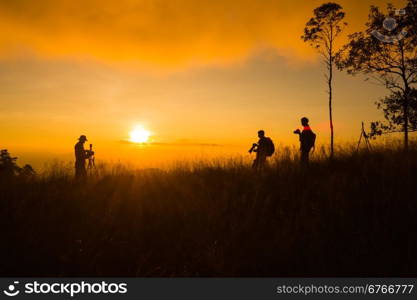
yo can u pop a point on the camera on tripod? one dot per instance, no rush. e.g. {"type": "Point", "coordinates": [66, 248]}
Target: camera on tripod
{"type": "Point", "coordinates": [90, 152]}
{"type": "Point", "coordinates": [91, 158]}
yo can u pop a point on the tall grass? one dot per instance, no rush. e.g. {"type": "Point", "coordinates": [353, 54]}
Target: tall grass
{"type": "Point", "coordinates": [353, 216]}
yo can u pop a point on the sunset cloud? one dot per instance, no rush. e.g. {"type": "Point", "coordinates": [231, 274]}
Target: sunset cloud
{"type": "Point", "coordinates": [159, 32]}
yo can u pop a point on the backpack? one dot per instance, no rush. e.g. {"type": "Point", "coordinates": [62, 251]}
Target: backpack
{"type": "Point", "coordinates": [270, 147]}
{"type": "Point", "coordinates": [311, 139]}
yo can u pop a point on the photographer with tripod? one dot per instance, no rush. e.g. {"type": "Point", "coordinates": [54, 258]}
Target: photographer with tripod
{"type": "Point", "coordinates": [81, 155]}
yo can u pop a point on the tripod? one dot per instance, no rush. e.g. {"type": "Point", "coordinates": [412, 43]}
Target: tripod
{"type": "Point", "coordinates": [365, 137]}
{"type": "Point", "coordinates": [91, 159]}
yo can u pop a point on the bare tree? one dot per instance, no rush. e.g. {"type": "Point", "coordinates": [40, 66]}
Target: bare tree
{"type": "Point", "coordinates": [321, 31]}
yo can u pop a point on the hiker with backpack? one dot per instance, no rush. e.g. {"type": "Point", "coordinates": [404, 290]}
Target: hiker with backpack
{"type": "Point", "coordinates": [263, 149]}
{"type": "Point", "coordinates": [307, 140]}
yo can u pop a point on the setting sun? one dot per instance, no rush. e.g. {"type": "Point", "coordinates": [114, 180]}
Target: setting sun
{"type": "Point", "coordinates": [139, 135]}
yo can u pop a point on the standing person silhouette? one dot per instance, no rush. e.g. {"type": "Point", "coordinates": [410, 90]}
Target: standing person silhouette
{"type": "Point", "coordinates": [264, 148]}
{"type": "Point", "coordinates": [307, 140]}
{"type": "Point", "coordinates": [80, 156]}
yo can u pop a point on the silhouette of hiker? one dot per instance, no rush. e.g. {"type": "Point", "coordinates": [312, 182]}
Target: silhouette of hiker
{"type": "Point", "coordinates": [264, 148]}
{"type": "Point", "coordinates": [80, 156]}
{"type": "Point", "coordinates": [307, 140]}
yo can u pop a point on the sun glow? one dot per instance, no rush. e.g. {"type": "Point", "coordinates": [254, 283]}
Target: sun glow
{"type": "Point", "coordinates": [139, 135]}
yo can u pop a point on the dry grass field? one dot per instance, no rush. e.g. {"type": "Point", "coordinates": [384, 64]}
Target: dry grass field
{"type": "Point", "coordinates": [353, 216]}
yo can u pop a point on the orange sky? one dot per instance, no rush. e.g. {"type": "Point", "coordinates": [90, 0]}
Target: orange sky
{"type": "Point", "coordinates": [193, 72]}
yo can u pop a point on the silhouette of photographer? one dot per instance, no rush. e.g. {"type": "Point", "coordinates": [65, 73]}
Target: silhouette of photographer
{"type": "Point", "coordinates": [80, 156]}
{"type": "Point", "coordinates": [263, 149]}
{"type": "Point", "coordinates": [307, 140]}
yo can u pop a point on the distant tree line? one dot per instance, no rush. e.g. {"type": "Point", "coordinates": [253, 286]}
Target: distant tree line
{"type": "Point", "coordinates": [9, 167]}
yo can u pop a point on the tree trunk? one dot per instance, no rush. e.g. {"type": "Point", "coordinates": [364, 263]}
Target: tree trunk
{"type": "Point", "coordinates": [405, 112]}
{"type": "Point", "coordinates": [330, 105]}
{"type": "Point", "coordinates": [406, 95]}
